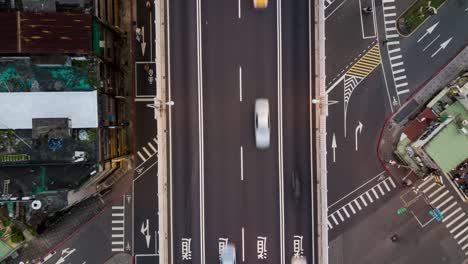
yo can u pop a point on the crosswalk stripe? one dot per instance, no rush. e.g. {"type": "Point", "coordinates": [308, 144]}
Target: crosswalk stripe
{"type": "Point", "coordinates": [440, 197]}
{"type": "Point", "coordinates": [117, 214]}
{"type": "Point", "coordinates": [334, 219]}
{"type": "Point", "coordinates": [458, 226]}
{"type": "Point", "coordinates": [389, 7]}
{"type": "Point", "coordinates": [392, 182]}
{"type": "Point", "coordinates": [428, 188]}
{"type": "Point", "coordinates": [396, 57]}
{"type": "Point", "coordinates": [448, 208]}
{"type": "Point", "coordinates": [455, 220]}
{"type": "Point", "coordinates": [401, 85]}
{"type": "Point", "coordinates": [368, 196]}
{"type": "Point", "coordinates": [339, 214]}
{"type": "Point", "coordinates": [400, 77]}
{"type": "Point", "coordinates": [389, 22]}
{"type": "Point", "coordinates": [425, 181]}
{"type": "Point", "coordinates": [396, 64]}
{"type": "Point", "coordinates": [117, 235]}
{"type": "Point", "coordinates": [152, 147]}
{"type": "Point", "coordinates": [116, 207]}
{"type": "Point", "coordinates": [394, 50]}
{"type": "Point", "coordinates": [363, 200]}
{"type": "Point", "coordinates": [388, 1]}
{"type": "Point", "coordinates": [464, 238]}
{"type": "Point", "coordinates": [389, 14]}
{"type": "Point", "coordinates": [403, 91]}
{"type": "Point", "coordinates": [146, 151]}
{"type": "Point", "coordinates": [380, 189]}
{"type": "Point", "coordinates": [386, 186]}
{"type": "Point", "coordinates": [141, 156]}
{"type": "Point", "coordinates": [117, 249]}
{"type": "Point", "coordinates": [436, 191]}
{"type": "Point", "coordinates": [390, 29]}
{"type": "Point", "coordinates": [465, 246]}
{"type": "Point", "coordinates": [461, 232]}
{"type": "Point", "coordinates": [375, 193]}
{"type": "Point", "coordinates": [399, 71]}
{"type": "Point", "coordinates": [452, 214]}
{"type": "Point", "coordinates": [155, 141]}
{"type": "Point", "coordinates": [352, 208]}
{"type": "Point", "coordinates": [346, 212]}
{"type": "Point", "coordinates": [329, 225]}
{"type": "Point", "coordinates": [117, 228]}
{"type": "Point", "coordinates": [357, 204]}
{"type": "Point", "coordinates": [117, 242]}
{"type": "Point", "coordinates": [389, 36]}
{"type": "Point", "coordinates": [446, 201]}
{"type": "Point", "coordinates": [117, 221]}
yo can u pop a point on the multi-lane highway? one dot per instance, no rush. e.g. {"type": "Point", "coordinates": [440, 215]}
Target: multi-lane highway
{"type": "Point", "coordinates": [224, 55]}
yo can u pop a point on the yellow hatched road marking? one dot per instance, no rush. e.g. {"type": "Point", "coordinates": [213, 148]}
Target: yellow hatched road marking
{"type": "Point", "coordinates": [367, 63]}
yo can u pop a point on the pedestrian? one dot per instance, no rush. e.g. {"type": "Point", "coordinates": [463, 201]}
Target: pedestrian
{"type": "Point", "coordinates": [394, 238]}
{"type": "Point", "coordinates": [367, 10]}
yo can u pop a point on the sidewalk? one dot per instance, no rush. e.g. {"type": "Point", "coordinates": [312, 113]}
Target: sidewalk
{"type": "Point", "coordinates": [395, 124]}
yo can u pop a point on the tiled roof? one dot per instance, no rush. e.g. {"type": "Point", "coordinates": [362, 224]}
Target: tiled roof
{"type": "Point", "coordinates": [419, 125]}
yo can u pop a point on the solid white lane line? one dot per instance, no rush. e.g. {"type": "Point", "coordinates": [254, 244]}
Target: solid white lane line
{"type": "Point", "coordinates": [280, 127]}
{"type": "Point", "coordinates": [357, 204]}
{"type": "Point", "coordinates": [152, 147]}
{"type": "Point", "coordinates": [334, 219]}
{"type": "Point", "coordinates": [146, 151]}
{"type": "Point", "coordinates": [458, 226]}
{"type": "Point", "coordinates": [448, 208]}
{"type": "Point", "coordinates": [386, 186]}
{"type": "Point", "coordinates": [381, 190]}
{"type": "Point", "coordinates": [455, 220]}
{"type": "Point", "coordinates": [352, 208]}
{"type": "Point", "coordinates": [200, 134]}
{"type": "Point", "coordinates": [391, 181]}
{"type": "Point", "coordinates": [240, 83]}
{"type": "Point", "coordinates": [239, 8]}
{"type": "Point", "coordinates": [243, 245]}
{"type": "Point", "coordinates": [440, 197]}
{"type": "Point", "coordinates": [430, 43]}
{"type": "Point", "coordinates": [452, 214]}
{"type": "Point", "coordinates": [363, 200]}
{"type": "Point", "coordinates": [141, 156]}
{"type": "Point", "coordinates": [368, 196]}
{"type": "Point", "coordinates": [461, 233]}
{"type": "Point", "coordinates": [444, 202]}
{"type": "Point", "coordinates": [242, 162]}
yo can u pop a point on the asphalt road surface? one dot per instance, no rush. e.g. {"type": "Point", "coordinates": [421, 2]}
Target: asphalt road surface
{"type": "Point", "coordinates": [223, 189]}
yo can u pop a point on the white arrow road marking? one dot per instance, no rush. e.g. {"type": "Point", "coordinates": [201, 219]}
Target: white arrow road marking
{"type": "Point", "coordinates": [358, 129]}
{"type": "Point", "coordinates": [428, 31]}
{"type": "Point", "coordinates": [334, 147]}
{"type": "Point", "coordinates": [65, 254]}
{"type": "Point", "coordinates": [145, 231]}
{"type": "Point", "coordinates": [442, 46]}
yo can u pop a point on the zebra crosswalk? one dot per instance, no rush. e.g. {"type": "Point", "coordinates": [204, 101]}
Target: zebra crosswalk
{"type": "Point", "coordinates": [393, 47]}
{"type": "Point", "coordinates": [359, 203]}
{"type": "Point", "coordinates": [118, 228]}
{"type": "Point", "coordinates": [149, 150]}
{"type": "Point", "coordinates": [455, 218]}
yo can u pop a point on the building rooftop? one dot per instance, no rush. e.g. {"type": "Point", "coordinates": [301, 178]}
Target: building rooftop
{"type": "Point", "coordinates": [450, 147]}
{"type": "Point", "coordinates": [18, 109]}
{"type": "Point", "coordinates": [417, 127]}
{"type": "Point", "coordinates": [52, 33]}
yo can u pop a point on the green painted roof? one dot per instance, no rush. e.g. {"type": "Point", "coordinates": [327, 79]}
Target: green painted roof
{"type": "Point", "coordinates": [448, 148]}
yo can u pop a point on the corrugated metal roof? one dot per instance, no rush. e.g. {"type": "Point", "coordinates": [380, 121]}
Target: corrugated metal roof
{"type": "Point", "coordinates": [417, 127]}
{"type": "Point", "coordinates": [49, 33]}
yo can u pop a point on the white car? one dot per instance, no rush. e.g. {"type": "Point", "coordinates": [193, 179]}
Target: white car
{"type": "Point", "coordinates": [228, 256]}
{"type": "Point", "coordinates": [262, 123]}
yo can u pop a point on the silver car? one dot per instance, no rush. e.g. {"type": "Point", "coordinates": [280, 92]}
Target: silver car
{"type": "Point", "coordinates": [262, 123]}
{"type": "Point", "coordinates": [228, 256]}
{"type": "Point", "coordinates": [298, 260]}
